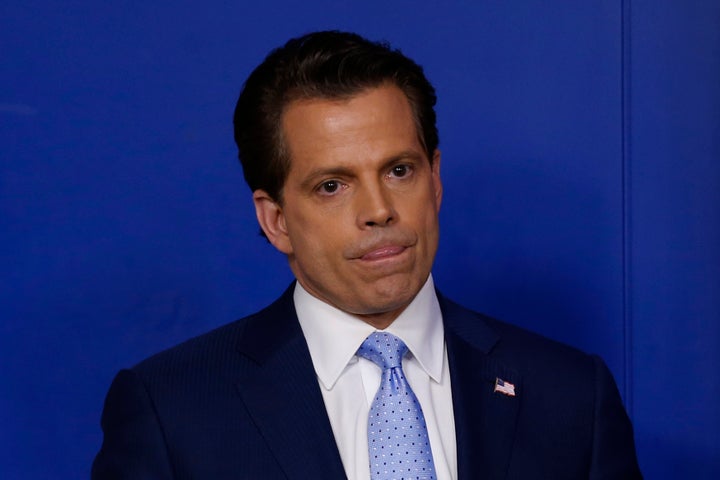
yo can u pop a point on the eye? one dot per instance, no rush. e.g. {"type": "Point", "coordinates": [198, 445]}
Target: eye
{"type": "Point", "coordinates": [329, 187]}
{"type": "Point", "coordinates": [400, 171]}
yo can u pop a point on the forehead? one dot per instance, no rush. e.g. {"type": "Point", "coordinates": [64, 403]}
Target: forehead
{"type": "Point", "coordinates": [371, 124]}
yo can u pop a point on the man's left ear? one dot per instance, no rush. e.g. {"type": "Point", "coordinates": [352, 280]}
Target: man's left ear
{"type": "Point", "coordinates": [437, 183]}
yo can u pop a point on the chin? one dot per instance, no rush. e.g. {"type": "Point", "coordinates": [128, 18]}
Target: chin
{"type": "Point", "coordinates": [390, 296]}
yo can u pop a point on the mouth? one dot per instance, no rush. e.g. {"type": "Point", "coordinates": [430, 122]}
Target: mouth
{"type": "Point", "coordinates": [382, 249]}
{"type": "Point", "coordinates": [382, 252]}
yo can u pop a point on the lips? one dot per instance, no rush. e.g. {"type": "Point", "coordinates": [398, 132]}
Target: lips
{"type": "Point", "coordinates": [382, 245]}
{"type": "Point", "coordinates": [383, 252]}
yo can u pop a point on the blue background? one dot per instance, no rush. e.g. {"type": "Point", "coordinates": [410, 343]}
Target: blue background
{"type": "Point", "coordinates": [581, 163]}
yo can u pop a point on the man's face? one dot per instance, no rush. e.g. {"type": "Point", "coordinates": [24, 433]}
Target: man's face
{"type": "Point", "coordinates": [359, 216]}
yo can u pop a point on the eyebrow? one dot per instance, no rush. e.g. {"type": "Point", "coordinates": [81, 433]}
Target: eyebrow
{"type": "Point", "coordinates": [341, 171]}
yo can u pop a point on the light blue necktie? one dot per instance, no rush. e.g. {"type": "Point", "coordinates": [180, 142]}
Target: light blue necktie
{"type": "Point", "coordinates": [398, 440]}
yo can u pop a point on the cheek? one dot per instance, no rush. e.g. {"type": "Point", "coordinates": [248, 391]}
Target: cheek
{"type": "Point", "coordinates": [431, 229]}
{"type": "Point", "coordinates": [319, 244]}
{"type": "Point", "coordinates": [425, 212]}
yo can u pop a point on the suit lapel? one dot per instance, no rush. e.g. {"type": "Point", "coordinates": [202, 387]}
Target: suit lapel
{"type": "Point", "coordinates": [484, 419]}
{"type": "Point", "coordinates": [281, 393]}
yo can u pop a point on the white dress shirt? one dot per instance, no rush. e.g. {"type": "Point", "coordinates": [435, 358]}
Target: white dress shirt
{"type": "Point", "coordinates": [349, 383]}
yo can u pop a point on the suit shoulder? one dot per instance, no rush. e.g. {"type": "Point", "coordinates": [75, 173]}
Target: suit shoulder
{"type": "Point", "coordinates": [218, 339]}
{"type": "Point", "coordinates": [214, 348]}
{"type": "Point", "coordinates": [524, 349]}
{"type": "Point", "coordinates": [515, 337]}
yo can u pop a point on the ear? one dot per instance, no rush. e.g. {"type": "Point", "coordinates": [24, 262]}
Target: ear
{"type": "Point", "coordinates": [272, 221]}
{"type": "Point", "coordinates": [437, 183]}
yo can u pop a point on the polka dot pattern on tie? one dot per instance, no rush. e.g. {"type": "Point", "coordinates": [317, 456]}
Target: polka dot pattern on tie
{"type": "Point", "coordinates": [398, 441]}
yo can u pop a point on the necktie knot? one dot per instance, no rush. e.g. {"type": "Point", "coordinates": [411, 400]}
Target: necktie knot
{"type": "Point", "coordinates": [383, 349]}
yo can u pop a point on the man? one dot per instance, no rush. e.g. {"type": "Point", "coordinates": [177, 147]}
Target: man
{"type": "Point", "coordinates": [360, 369]}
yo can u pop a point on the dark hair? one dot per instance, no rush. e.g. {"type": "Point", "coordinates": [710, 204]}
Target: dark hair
{"type": "Point", "coordinates": [328, 65]}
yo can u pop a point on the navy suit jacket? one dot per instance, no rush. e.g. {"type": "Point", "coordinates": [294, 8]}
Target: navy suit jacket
{"type": "Point", "coordinates": [243, 402]}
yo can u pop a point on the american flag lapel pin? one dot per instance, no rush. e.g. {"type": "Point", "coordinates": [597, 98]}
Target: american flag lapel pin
{"type": "Point", "coordinates": [504, 387]}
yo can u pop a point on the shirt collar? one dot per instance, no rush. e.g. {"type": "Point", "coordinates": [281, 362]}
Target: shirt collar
{"type": "Point", "coordinates": [334, 336]}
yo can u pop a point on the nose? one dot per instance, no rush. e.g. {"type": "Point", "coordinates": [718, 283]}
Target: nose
{"type": "Point", "coordinates": [375, 207]}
